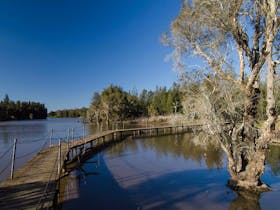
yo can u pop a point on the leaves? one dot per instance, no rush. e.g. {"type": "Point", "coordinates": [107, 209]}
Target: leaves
{"type": "Point", "coordinates": [115, 104]}
{"type": "Point", "coordinates": [10, 110]}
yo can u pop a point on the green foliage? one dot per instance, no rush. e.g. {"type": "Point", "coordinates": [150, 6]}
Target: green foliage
{"type": "Point", "coordinates": [72, 113]}
{"type": "Point", "coordinates": [10, 110]}
{"type": "Point", "coordinates": [115, 104]}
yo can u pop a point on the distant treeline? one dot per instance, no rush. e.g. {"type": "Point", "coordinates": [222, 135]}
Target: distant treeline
{"type": "Point", "coordinates": [21, 110]}
{"type": "Point", "coordinates": [115, 104]}
{"type": "Point", "coordinates": [82, 112]}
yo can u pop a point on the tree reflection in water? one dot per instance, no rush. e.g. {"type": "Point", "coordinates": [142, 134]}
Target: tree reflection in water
{"type": "Point", "coordinates": [272, 159]}
{"type": "Point", "coordinates": [190, 146]}
{"type": "Point", "coordinates": [246, 200]}
{"type": "Point", "coordinates": [199, 147]}
{"type": "Point", "coordinates": [196, 188]}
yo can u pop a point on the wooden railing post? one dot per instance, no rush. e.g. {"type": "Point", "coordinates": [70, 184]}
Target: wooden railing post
{"type": "Point", "coordinates": [72, 133]}
{"type": "Point", "coordinates": [72, 137]}
{"type": "Point", "coordinates": [51, 136]}
{"type": "Point", "coordinates": [59, 157]}
{"type": "Point", "coordinates": [84, 131]}
{"type": "Point", "coordinates": [13, 158]}
{"type": "Point", "coordinates": [68, 139]}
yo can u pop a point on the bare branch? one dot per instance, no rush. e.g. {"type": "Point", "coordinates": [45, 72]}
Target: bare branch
{"type": "Point", "coordinates": [241, 65]}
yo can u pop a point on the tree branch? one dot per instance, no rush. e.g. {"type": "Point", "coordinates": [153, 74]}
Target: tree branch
{"type": "Point", "coordinates": [216, 67]}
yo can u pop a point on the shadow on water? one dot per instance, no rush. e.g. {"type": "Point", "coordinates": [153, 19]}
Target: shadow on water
{"type": "Point", "coordinates": [97, 189]}
{"type": "Point", "coordinates": [181, 190]}
{"type": "Point", "coordinates": [170, 172]}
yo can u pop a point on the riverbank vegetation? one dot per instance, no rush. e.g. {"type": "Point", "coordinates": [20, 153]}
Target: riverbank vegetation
{"type": "Point", "coordinates": [71, 113]}
{"type": "Point", "coordinates": [115, 104]}
{"type": "Point", "coordinates": [21, 110]}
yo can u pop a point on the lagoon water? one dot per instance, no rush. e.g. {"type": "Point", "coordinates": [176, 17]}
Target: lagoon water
{"type": "Point", "coordinates": [168, 172]}
{"type": "Point", "coordinates": [32, 136]}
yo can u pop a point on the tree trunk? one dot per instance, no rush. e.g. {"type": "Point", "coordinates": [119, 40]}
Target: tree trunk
{"type": "Point", "coordinates": [247, 159]}
{"type": "Point", "coordinates": [245, 170]}
{"type": "Point", "coordinates": [268, 129]}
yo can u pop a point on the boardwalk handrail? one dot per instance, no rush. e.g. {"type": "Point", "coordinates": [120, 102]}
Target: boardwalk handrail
{"type": "Point", "coordinates": [79, 147]}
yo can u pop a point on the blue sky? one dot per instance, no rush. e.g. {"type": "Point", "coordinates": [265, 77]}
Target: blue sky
{"type": "Point", "coordinates": [60, 52]}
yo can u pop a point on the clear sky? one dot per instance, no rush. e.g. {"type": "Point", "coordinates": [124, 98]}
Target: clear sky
{"type": "Point", "coordinates": [59, 52]}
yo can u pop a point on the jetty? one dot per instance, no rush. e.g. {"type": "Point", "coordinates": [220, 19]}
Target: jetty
{"type": "Point", "coordinates": [35, 185]}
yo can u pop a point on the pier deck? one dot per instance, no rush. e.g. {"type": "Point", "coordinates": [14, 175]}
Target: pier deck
{"type": "Point", "coordinates": [26, 190]}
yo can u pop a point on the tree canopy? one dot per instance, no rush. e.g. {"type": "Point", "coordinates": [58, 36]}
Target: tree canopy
{"type": "Point", "coordinates": [71, 113]}
{"type": "Point", "coordinates": [21, 110]}
{"type": "Point", "coordinates": [115, 104]}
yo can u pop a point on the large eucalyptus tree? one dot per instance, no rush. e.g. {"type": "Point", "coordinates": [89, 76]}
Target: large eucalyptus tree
{"type": "Point", "coordinates": [237, 43]}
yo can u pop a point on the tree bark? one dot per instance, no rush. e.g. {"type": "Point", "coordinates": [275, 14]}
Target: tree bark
{"type": "Point", "coordinates": [203, 35]}
{"type": "Point", "coordinates": [245, 170]}
{"type": "Point", "coordinates": [268, 129]}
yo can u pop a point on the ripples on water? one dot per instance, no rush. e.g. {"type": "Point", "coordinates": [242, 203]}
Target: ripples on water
{"type": "Point", "coordinates": [169, 172]}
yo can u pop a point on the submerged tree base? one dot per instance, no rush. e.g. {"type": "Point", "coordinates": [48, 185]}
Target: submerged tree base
{"type": "Point", "coordinates": [247, 186]}
{"type": "Point", "coordinates": [246, 200]}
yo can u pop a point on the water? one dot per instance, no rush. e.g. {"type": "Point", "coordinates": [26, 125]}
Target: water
{"type": "Point", "coordinates": [169, 172]}
{"type": "Point", "coordinates": [32, 136]}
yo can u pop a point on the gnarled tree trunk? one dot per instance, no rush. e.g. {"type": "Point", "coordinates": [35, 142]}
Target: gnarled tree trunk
{"type": "Point", "coordinates": [245, 170]}
{"type": "Point", "coordinates": [209, 30]}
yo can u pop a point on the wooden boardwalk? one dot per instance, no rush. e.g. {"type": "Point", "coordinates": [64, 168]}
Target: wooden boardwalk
{"type": "Point", "coordinates": [34, 186]}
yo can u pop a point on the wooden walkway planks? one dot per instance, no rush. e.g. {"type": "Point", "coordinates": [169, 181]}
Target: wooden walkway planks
{"type": "Point", "coordinates": [29, 183]}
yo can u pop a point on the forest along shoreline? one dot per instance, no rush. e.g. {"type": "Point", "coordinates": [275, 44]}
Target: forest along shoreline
{"type": "Point", "coordinates": [21, 110]}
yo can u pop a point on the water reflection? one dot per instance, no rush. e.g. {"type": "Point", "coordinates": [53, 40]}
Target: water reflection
{"type": "Point", "coordinates": [33, 135]}
{"type": "Point", "coordinates": [169, 172]}
{"type": "Point", "coordinates": [188, 146]}
{"type": "Point", "coordinates": [273, 159]}
{"type": "Point", "coordinates": [155, 173]}
{"type": "Point", "coordinates": [246, 200]}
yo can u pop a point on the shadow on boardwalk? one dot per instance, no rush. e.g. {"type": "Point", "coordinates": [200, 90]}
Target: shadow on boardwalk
{"type": "Point", "coordinates": [34, 185]}
{"type": "Point", "coordinates": [25, 196]}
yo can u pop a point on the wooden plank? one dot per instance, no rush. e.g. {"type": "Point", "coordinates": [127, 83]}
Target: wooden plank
{"type": "Point", "coordinates": [29, 183]}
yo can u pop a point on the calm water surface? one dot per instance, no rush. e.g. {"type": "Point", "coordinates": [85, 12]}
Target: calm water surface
{"type": "Point", "coordinates": [169, 172]}
{"type": "Point", "coordinates": [32, 136]}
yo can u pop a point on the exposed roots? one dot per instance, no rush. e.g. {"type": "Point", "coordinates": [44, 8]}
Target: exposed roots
{"type": "Point", "coordinates": [247, 186]}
